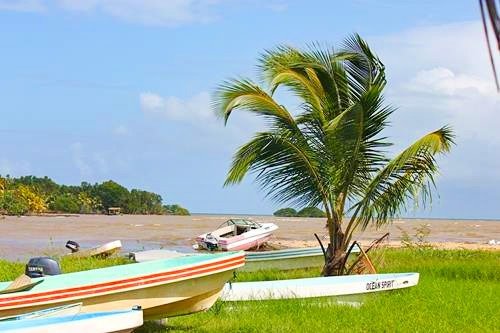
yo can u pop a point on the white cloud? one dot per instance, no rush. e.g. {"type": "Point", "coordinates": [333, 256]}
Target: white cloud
{"type": "Point", "coordinates": [194, 110]}
{"type": "Point", "coordinates": [149, 12]}
{"type": "Point", "coordinates": [443, 81]}
{"type": "Point", "coordinates": [22, 5]}
{"type": "Point", "coordinates": [440, 75]}
{"type": "Point", "coordinates": [168, 13]}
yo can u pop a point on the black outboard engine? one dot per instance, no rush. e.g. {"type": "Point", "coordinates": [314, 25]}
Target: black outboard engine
{"type": "Point", "coordinates": [73, 246]}
{"type": "Point", "coordinates": [42, 266]}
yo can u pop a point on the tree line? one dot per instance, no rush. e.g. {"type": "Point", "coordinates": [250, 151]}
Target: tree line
{"type": "Point", "coordinates": [304, 212]}
{"type": "Point", "coordinates": [35, 195]}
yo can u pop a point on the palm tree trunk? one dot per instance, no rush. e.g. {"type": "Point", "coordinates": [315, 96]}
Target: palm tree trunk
{"type": "Point", "coordinates": [336, 250]}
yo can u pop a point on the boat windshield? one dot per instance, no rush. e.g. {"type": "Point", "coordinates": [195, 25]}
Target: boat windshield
{"type": "Point", "coordinates": [240, 223]}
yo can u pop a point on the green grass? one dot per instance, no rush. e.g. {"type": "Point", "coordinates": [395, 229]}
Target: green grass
{"type": "Point", "coordinates": [458, 291]}
{"type": "Point", "coordinates": [10, 270]}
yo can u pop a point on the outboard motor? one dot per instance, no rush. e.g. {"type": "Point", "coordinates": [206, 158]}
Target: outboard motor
{"type": "Point", "coordinates": [73, 246]}
{"type": "Point", "coordinates": [42, 266]}
{"type": "Point", "coordinates": [211, 242]}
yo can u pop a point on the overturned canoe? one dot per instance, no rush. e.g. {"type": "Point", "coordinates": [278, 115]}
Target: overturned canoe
{"type": "Point", "coordinates": [163, 288]}
{"type": "Point", "coordinates": [96, 322]}
{"type": "Point", "coordinates": [317, 287]}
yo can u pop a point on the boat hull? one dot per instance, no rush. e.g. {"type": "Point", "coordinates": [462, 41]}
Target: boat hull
{"type": "Point", "coordinates": [100, 322]}
{"type": "Point", "coordinates": [218, 239]}
{"type": "Point", "coordinates": [286, 259]}
{"type": "Point", "coordinates": [318, 287]}
{"type": "Point", "coordinates": [164, 294]}
{"type": "Point", "coordinates": [102, 251]}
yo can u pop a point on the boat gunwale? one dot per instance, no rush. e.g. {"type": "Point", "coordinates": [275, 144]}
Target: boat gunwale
{"type": "Point", "coordinates": [172, 275]}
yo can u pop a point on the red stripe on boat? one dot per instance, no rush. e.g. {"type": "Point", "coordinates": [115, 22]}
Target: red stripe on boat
{"type": "Point", "coordinates": [122, 284]}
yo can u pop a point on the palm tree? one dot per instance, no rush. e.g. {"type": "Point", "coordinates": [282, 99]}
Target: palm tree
{"type": "Point", "coordinates": [331, 152]}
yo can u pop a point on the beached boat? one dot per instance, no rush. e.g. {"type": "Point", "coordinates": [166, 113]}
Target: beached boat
{"type": "Point", "coordinates": [278, 259]}
{"type": "Point", "coordinates": [163, 288]}
{"type": "Point", "coordinates": [285, 259]}
{"type": "Point", "coordinates": [95, 322]}
{"type": "Point", "coordinates": [318, 287]}
{"type": "Point", "coordinates": [236, 234]}
{"type": "Point", "coordinates": [103, 251]}
{"type": "Point", "coordinates": [58, 311]}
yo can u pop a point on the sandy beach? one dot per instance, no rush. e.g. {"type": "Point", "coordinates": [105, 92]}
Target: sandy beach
{"type": "Point", "coordinates": [26, 236]}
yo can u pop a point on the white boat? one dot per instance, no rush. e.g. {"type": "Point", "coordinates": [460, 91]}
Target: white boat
{"type": "Point", "coordinates": [94, 322]}
{"type": "Point", "coordinates": [236, 234]}
{"type": "Point", "coordinates": [58, 311]}
{"type": "Point", "coordinates": [317, 287]}
{"type": "Point", "coordinates": [286, 259]}
{"type": "Point", "coordinates": [103, 251]}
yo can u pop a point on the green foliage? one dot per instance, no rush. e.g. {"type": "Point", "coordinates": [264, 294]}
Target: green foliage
{"type": "Point", "coordinates": [11, 270]}
{"type": "Point", "coordinates": [176, 210]}
{"type": "Point", "coordinates": [30, 194]}
{"type": "Point", "coordinates": [311, 212]}
{"type": "Point", "coordinates": [12, 204]}
{"type": "Point", "coordinates": [304, 212]}
{"type": "Point", "coordinates": [419, 239]}
{"type": "Point", "coordinates": [111, 194]}
{"type": "Point", "coordinates": [65, 203]}
{"type": "Point", "coordinates": [285, 212]}
{"type": "Point", "coordinates": [143, 202]}
{"type": "Point", "coordinates": [333, 151]}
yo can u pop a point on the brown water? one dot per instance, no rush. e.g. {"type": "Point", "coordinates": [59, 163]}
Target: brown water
{"type": "Point", "coordinates": [22, 237]}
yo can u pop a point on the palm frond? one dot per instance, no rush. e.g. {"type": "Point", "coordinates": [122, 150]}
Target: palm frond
{"type": "Point", "coordinates": [245, 95]}
{"type": "Point", "coordinates": [409, 176]}
{"type": "Point", "coordinates": [284, 168]}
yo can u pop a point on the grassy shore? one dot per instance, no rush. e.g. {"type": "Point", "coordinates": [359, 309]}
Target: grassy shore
{"type": "Point", "coordinates": [458, 291]}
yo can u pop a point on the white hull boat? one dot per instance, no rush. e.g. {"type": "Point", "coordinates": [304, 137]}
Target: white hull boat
{"type": "Point", "coordinates": [103, 251]}
{"type": "Point", "coordinates": [286, 259]}
{"type": "Point", "coordinates": [94, 322]}
{"type": "Point", "coordinates": [236, 235]}
{"type": "Point", "coordinates": [318, 287]}
{"type": "Point", "coordinates": [58, 311]}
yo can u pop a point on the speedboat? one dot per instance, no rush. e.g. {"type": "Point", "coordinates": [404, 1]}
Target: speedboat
{"type": "Point", "coordinates": [236, 234]}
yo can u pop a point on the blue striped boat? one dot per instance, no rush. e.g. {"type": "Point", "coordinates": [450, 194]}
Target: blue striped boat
{"type": "Point", "coordinates": [95, 322]}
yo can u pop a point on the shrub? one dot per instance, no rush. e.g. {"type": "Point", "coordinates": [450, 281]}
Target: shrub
{"type": "Point", "coordinates": [285, 212]}
{"type": "Point", "coordinates": [311, 212]}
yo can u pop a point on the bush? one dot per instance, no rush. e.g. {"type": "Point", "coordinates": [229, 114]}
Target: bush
{"type": "Point", "coordinates": [311, 212]}
{"type": "Point", "coordinates": [176, 210]}
{"type": "Point", "coordinates": [285, 212]}
{"type": "Point", "coordinates": [11, 204]}
{"type": "Point", "coordinates": [65, 203]}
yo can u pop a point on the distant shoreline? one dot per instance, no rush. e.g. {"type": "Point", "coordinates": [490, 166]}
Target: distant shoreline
{"type": "Point", "coordinates": [249, 215]}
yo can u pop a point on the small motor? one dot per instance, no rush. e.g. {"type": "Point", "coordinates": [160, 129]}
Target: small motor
{"type": "Point", "coordinates": [211, 242]}
{"type": "Point", "coordinates": [42, 266]}
{"type": "Point", "coordinates": [73, 246]}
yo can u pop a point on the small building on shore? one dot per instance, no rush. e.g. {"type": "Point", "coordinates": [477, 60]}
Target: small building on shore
{"type": "Point", "coordinates": [114, 211]}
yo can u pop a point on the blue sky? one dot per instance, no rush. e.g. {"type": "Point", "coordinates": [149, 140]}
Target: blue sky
{"type": "Point", "coordinates": [120, 89]}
